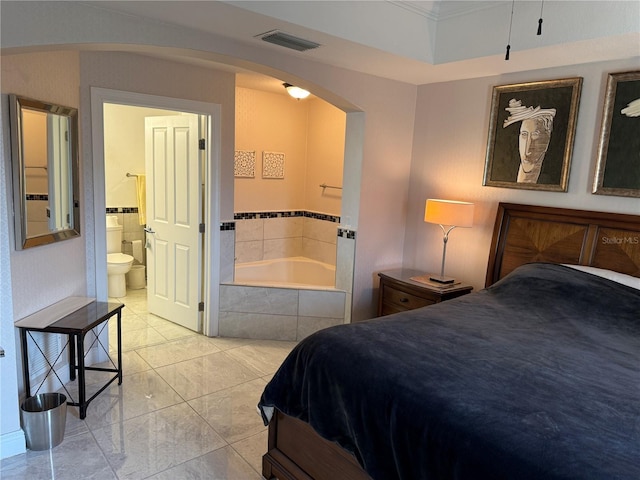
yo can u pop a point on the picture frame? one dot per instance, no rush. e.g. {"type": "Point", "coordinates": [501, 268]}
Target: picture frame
{"type": "Point", "coordinates": [539, 120]}
{"type": "Point", "coordinates": [618, 160]}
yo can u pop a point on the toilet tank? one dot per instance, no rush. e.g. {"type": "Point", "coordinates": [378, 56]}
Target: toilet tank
{"type": "Point", "coordinates": [114, 235]}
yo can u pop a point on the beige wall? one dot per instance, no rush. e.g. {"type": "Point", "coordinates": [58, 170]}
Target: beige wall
{"type": "Point", "coordinates": [325, 155]}
{"type": "Point", "coordinates": [309, 132]}
{"type": "Point", "coordinates": [273, 123]}
{"type": "Point", "coordinates": [151, 76]}
{"type": "Point", "coordinates": [34, 151]}
{"type": "Point", "coordinates": [36, 273]}
{"type": "Point", "coordinates": [34, 128]}
{"type": "Point", "coordinates": [452, 122]}
{"type": "Point", "coordinates": [124, 141]}
{"type": "Point", "coordinates": [33, 278]}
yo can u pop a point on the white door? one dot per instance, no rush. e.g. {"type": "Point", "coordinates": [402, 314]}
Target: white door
{"type": "Point", "coordinates": [174, 206]}
{"type": "Point", "coordinates": [58, 164]}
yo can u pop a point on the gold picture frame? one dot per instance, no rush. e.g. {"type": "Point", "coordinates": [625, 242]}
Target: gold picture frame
{"type": "Point", "coordinates": [531, 132]}
{"type": "Point", "coordinates": [618, 161]}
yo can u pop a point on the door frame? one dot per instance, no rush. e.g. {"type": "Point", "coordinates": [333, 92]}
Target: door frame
{"type": "Point", "coordinates": [211, 254]}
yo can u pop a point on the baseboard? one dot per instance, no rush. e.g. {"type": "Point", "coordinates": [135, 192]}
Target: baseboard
{"type": "Point", "coordinates": [13, 443]}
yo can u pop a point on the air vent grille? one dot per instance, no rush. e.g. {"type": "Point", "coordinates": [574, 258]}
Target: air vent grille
{"type": "Point", "coordinates": [288, 41]}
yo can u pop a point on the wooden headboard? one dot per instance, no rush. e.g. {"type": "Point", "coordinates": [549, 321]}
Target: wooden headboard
{"type": "Point", "coordinates": [527, 233]}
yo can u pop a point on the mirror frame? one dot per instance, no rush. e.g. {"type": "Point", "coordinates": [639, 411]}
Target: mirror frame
{"type": "Point", "coordinates": [19, 177]}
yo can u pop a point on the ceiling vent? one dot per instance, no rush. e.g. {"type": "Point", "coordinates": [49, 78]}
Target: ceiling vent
{"type": "Point", "coordinates": [289, 41]}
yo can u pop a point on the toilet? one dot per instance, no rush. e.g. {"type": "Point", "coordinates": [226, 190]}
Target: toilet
{"type": "Point", "coordinates": [118, 263]}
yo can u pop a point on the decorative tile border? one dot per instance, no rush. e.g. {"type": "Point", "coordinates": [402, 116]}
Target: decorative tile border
{"type": "Point", "coordinates": [344, 233]}
{"type": "Point", "coordinates": [286, 214]}
{"type": "Point", "coordinates": [256, 215]}
{"type": "Point", "coordinates": [111, 210]}
{"type": "Point", "coordinates": [322, 216]}
{"type": "Point", "coordinates": [225, 226]}
{"type": "Point", "coordinates": [37, 196]}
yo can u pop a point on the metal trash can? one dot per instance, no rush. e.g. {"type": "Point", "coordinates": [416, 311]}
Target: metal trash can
{"type": "Point", "coordinates": [43, 420]}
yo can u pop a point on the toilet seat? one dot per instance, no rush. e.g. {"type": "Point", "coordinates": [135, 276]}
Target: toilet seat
{"type": "Point", "coordinates": [119, 258]}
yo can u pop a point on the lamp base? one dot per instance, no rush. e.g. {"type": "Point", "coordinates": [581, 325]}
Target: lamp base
{"type": "Point", "coordinates": [441, 279]}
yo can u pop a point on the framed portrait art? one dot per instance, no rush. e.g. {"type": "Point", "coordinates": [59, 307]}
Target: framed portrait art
{"type": "Point", "coordinates": [618, 163]}
{"type": "Point", "coordinates": [531, 131]}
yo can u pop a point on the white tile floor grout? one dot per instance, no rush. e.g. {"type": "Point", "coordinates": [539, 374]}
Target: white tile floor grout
{"type": "Point", "coordinates": [186, 409]}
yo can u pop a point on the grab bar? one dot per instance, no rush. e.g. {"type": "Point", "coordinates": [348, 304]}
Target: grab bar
{"type": "Point", "coordinates": [324, 185]}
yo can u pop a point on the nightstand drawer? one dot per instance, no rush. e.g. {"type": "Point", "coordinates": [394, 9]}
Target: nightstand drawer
{"type": "Point", "coordinates": [404, 300]}
{"type": "Point", "coordinates": [390, 308]}
{"type": "Point", "coordinates": [399, 293]}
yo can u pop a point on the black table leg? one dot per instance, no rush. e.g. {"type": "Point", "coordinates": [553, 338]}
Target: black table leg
{"type": "Point", "coordinates": [72, 358]}
{"type": "Point", "coordinates": [82, 394]}
{"type": "Point", "coordinates": [25, 362]}
{"type": "Point", "coordinates": [119, 347]}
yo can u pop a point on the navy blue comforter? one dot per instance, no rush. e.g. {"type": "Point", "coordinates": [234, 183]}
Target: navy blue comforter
{"type": "Point", "coordinates": [536, 377]}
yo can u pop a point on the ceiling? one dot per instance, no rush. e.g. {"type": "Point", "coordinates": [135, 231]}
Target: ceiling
{"type": "Point", "coordinates": [416, 42]}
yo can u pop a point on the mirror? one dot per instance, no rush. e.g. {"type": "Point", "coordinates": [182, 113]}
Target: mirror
{"type": "Point", "coordinates": [44, 151]}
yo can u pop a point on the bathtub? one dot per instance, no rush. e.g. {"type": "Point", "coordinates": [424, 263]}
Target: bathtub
{"type": "Point", "coordinates": [280, 299]}
{"type": "Point", "coordinates": [291, 272]}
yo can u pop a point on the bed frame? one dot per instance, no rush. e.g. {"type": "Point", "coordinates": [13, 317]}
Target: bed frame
{"type": "Point", "coordinates": [522, 234]}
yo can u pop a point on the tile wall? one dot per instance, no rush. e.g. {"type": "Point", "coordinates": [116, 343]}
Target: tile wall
{"type": "Point", "coordinates": [38, 222]}
{"type": "Point", "coordinates": [267, 235]}
{"type": "Point", "coordinates": [278, 313]}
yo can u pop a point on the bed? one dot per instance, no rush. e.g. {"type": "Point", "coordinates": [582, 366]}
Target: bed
{"type": "Point", "coordinates": [536, 376]}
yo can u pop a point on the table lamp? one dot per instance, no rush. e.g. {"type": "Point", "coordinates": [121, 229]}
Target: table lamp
{"type": "Point", "coordinates": [449, 214]}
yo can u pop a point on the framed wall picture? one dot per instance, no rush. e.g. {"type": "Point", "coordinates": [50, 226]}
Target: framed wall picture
{"type": "Point", "coordinates": [531, 131]}
{"type": "Point", "coordinates": [618, 162]}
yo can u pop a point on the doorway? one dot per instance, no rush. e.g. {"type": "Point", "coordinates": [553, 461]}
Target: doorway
{"type": "Point", "coordinates": [153, 166]}
{"type": "Point", "coordinates": [209, 276]}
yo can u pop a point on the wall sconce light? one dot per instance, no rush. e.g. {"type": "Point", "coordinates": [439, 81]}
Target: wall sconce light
{"type": "Point", "coordinates": [296, 92]}
{"type": "Point", "coordinates": [447, 213]}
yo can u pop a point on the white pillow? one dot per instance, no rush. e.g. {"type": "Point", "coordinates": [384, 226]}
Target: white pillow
{"type": "Point", "coordinates": [628, 280]}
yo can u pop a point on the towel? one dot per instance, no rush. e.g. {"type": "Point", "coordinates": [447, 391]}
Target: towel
{"type": "Point", "coordinates": [136, 246]}
{"type": "Point", "coordinates": [141, 196]}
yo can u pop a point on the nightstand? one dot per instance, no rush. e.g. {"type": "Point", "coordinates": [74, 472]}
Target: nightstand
{"type": "Point", "coordinates": [398, 293]}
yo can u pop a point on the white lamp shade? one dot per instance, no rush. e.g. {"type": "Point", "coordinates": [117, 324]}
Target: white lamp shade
{"type": "Point", "coordinates": [449, 212]}
{"type": "Point", "coordinates": [296, 92]}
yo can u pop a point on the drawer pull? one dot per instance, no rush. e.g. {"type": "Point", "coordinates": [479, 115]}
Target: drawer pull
{"type": "Point", "coordinates": [404, 300]}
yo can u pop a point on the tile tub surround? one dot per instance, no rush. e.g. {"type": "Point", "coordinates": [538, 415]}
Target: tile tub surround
{"type": "Point", "coordinates": [278, 313]}
{"type": "Point", "coordinates": [267, 235]}
{"type": "Point", "coordinates": [236, 321]}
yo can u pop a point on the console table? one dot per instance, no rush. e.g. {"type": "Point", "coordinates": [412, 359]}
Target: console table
{"type": "Point", "coordinates": [76, 325]}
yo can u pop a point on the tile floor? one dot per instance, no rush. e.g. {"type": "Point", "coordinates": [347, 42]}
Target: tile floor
{"type": "Point", "coordinates": [186, 409]}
